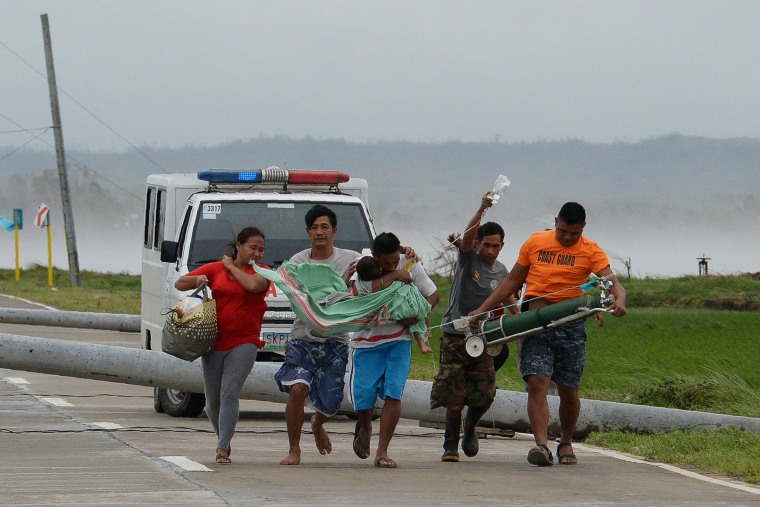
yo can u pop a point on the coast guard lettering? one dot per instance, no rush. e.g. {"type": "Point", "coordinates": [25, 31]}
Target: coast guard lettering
{"type": "Point", "coordinates": [550, 257]}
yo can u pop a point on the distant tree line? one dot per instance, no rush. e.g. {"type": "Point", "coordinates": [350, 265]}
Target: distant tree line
{"type": "Point", "coordinates": [673, 177]}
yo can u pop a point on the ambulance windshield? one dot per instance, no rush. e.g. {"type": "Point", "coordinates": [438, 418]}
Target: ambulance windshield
{"type": "Point", "coordinates": [283, 225]}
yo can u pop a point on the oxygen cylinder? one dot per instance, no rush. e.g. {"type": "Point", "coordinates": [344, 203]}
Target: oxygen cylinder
{"type": "Point", "coordinates": [506, 326]}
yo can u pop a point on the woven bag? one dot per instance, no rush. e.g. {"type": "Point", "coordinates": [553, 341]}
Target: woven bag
{"type": "Point", "coordinates": [192, 334]}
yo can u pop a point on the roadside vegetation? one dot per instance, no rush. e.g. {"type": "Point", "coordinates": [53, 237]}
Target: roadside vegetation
{"type": "Point", "coordinates": [690, 343]}
{"type": "Point", "coordinates": [100, 292]}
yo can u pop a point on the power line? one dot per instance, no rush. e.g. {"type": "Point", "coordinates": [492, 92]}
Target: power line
{"type": "Point", "coordinates": [29, 141]}
{"type": "Point", "coordinates": [84, 108]}
{"type": "Point", "coordinates": [82, 164]}
{"type": "Point", "coordinates": [85, 166]}
{"type": "Point", "coordinates": [22, 130]}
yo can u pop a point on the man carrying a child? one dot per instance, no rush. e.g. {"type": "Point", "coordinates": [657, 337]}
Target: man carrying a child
{"type": "Point", "coordinates": [382, 354]}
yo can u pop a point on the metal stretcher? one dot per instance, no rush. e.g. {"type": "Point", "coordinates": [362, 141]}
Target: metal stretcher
{"type": "Point", "coordinates": [507, 329]}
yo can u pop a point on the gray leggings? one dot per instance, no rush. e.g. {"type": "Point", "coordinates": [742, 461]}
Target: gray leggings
{"type": "Point", "coordinates": [224, 373]}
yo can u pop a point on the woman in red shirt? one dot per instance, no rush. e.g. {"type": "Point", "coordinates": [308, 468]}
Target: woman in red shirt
{"type": "Point", "coordinates": [239, 293]}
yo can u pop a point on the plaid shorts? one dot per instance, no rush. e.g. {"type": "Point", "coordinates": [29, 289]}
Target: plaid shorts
{"type": "Point", "coordinates": [559, 354]}
{"type": "Point", "coordinates": [462, 379]}
{"type": "Point", "coordinates": [321, 366]}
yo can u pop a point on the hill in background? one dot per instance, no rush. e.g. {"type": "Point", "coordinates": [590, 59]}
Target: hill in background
{"type": "Point", "coordinates": [660, 202]}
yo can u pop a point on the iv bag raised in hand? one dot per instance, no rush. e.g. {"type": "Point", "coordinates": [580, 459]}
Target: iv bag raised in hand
{"type": "Point", "coordinates": [502, 182]}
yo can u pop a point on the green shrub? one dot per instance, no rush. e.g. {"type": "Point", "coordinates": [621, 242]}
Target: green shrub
{"type": "Point", "coordinates": [684, 393]}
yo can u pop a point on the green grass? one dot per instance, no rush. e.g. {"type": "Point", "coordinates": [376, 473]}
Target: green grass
{"type": "Point", "coordinates": [100, 292]}
{"type": "Point", "coordinates": [671, 350]}
{"type": "Point", "coordinates": [650, 347]}
{"type": "Point", "coordinates": [714, 353]}
{"type": "Point", "coordinates": [739, 292]}
{"type": "Point", "coordinates": [729, 452]}
{"type": "Point", "coordinates": [690, 343]}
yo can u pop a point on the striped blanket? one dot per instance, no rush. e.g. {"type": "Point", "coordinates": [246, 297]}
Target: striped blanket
{"type": "Point", "coordinates": [311, 288]}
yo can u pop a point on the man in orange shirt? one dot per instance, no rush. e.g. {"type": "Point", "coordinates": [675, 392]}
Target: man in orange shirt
{"type": "Point", "coordinates": [553, 264]}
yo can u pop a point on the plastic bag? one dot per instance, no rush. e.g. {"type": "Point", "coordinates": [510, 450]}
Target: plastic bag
{"type": "Point", "coordinates": [501, 185]}
{"type": "Point", "coordinates": [188, 304]}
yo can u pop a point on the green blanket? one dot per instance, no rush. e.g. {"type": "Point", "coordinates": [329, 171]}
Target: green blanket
{"type": "Point", "coordinates": [310, 288]}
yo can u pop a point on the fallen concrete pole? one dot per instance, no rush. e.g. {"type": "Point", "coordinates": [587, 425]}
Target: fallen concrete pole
{"type": "Point", "coordinates": [82, 320]}
{"type": "Point", "coordinates": [156, 369]}
{"type": "Point", "coordinates": [123, 365]}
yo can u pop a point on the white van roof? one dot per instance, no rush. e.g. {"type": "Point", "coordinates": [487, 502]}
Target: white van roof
{"type": "Point", "coordinates": [356, 187]}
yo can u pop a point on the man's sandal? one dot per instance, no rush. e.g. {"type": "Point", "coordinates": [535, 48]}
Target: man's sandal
{"type": "Point", "coordinates": [567, 458]}
{"type": "Point", "coordinates": [540, 456]}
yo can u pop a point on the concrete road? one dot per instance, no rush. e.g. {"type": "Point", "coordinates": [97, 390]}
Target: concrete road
{"type": "Point", "coordinates": [71, 441]}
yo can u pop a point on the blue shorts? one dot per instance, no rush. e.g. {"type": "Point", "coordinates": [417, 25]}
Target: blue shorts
{"type": "Point", "coordinates": [379, 371]}
{"type": "Point", "coordinates": [559, 354]}
{"type": "Point", "coordinates": [321, 366]}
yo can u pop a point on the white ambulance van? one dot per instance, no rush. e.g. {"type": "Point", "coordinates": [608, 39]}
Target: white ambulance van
{"type": "Point", "coordinates": [190, 218]}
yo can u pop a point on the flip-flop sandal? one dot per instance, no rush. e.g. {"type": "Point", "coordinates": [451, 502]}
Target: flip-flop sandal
{"type": "Point", "coordinates": [540, 456]}
{"type": "Point", "coordinates": [358, 448]}
{"type": "Point", "coordinates": [567, 458]}
{"type": "Point", "coordinates": [223, 459]}
{"type": "Point", "coordinates": [386, 463]}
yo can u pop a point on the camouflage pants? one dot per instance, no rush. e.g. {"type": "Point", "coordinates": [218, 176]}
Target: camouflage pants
{"type": "Point", "coordinates": [462, 379]}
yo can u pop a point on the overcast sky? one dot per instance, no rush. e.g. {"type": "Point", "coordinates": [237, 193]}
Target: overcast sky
{"type": "Point", "coordinates": [171, 73]}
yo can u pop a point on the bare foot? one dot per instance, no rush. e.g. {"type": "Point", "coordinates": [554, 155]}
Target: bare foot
{"type": "Point", "coordinates": [293, 458]}
{"type": "Point", "coordinates": [324, 446]}
{"type": "Point", "coordinates": [361, 448]}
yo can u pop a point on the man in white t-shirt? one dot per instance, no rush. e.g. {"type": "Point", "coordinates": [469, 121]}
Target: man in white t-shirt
{"type": "Point", "coordinates": [382, 354]}
{"type": "Point", "coordinates": [315, 365]}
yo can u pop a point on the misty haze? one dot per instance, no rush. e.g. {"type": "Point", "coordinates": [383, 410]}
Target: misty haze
{"type": "Point", "coordinates": [430, 101]}
{"type": "Point", "coordinates": [661, 203]}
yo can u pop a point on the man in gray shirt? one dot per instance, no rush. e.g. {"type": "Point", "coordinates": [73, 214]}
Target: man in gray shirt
{"type": "Point", "coordinates": [464, 380]}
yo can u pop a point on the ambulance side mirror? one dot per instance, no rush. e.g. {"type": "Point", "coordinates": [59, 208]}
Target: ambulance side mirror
{"type": "Point", "coordinates": [169, 251]}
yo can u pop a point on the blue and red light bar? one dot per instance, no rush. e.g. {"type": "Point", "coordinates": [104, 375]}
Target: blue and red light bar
{"type": "Point", "coordinates": [273, 175]}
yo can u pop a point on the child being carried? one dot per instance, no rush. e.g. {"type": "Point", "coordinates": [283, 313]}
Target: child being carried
{"type": "Point", "coordinates": [368, 269]}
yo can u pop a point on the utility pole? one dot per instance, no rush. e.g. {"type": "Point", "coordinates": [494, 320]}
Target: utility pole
{"type": "Point", "coordinates": [703, 265]}
{"type": "Point", "coordinates": [68, 216]}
